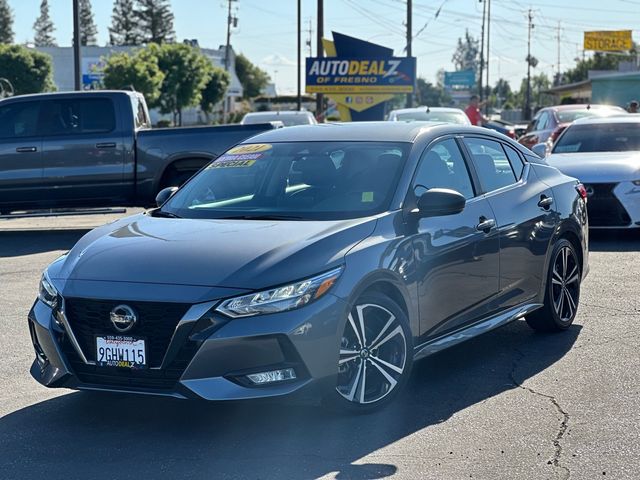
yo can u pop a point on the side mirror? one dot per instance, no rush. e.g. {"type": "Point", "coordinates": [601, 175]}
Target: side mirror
{"type": "Point", "coordinates": [540, 149]}
{"type": "Point", "coordinates": [165, 194]}
{"type": "Point", "coordinates": [439, 202]}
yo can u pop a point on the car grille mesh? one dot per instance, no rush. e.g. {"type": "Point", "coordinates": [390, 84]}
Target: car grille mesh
{"type": "Point", "coordinates": [604, 208]}
{"type": "Point", "coordinates": [157, 322]}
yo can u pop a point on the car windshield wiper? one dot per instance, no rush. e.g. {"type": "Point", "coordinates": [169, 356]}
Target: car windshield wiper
{"type": "Point", "coordinates": [260, 216]}
{"type": "Point", "coordinates": [161, 213]}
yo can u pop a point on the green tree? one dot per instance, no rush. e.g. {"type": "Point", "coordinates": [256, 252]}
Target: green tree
{"type": "Point", "coordinates": [88, 29]}
{"type": "Point", "coordinates": [28, 71]}
{"type": "Point", "coordinates": [186, 71]}
{"type": "Point", "coordinates": [155, 21]}
{"type": "Point", "coordinates": [44, 27]}
{"type": "Point", "coordinates": [502, 93]}
{"type": "Point", "coordinates": [252, 78]}
{"type": "Point", "coordinates": [539, 84]}
{"type": "Point", "coordinates": [599, 61]}
{"type": "Point", "coordinates": [139, 72]}
{"type": "Point", "coordinates": [6, 22]}
{"type": "Point", "coordinates": [214, 90]}
{"type": "Point", "coordinates": [124, 28]}
{"type": "Point", "coordinates": [431, 95]}
{"type": "Point", "coordinates": [466, 55]}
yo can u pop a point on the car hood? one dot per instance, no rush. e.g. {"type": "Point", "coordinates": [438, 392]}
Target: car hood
{"type": "Point", "coordinates": [598, 167]}
{"type": "Point", "coordinates": [247, 254]}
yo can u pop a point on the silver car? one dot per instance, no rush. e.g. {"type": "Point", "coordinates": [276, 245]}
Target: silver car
{"type": "Point", "coordinates": [429, 114]}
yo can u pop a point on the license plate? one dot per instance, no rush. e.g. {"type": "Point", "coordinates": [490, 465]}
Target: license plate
{"type": "Point", "coordinates": [119, 351]}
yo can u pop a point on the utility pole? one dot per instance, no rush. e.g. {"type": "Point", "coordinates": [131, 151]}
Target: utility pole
{"type": "Point", "coordinates": [76, 46]}
{"type": "Point", "coordinates": [310, 37]}
{"type": "Point", "coordinates": [409, 103]}
{"type": "Point", "coordinates": [484, 14]}
{"type": "Point", "coordinates": [299, 55]}
{"type": "Point", "coordinates": [231, 20]}
{"type": "Point", "coordinates": [486, 107]}
{"type": "Point", "coordinates": [557, 82]}
{"type": "Point", "coordinates": [320, 53]}
{"type": "Point", "coordinates": [527, 105]}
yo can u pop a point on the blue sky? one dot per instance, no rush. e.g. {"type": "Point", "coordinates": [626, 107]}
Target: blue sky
{"type": "Point", "coordinates": [266, 31]}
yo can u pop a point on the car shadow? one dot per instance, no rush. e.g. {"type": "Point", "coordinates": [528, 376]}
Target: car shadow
{"type": "Point", "coordinates": [19, 243]}
{"type": "Point", "coordinates": [105, 436]}
{"type": "Point", "coordinates": [614, 240]}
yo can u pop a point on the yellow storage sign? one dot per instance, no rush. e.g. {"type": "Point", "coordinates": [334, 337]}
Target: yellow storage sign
{"type": "Point", "coordinates": [608, 41]}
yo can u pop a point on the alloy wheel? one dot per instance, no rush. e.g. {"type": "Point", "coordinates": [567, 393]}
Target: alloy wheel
{"type": "Point", "coordinates": [565, 280]}
{"type": "Point", "coordinates": [373, 354]}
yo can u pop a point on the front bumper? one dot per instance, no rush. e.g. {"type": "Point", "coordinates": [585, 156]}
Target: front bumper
{"type": "Point", "coordinates": [208, 356]}
{"type": "Point", "coordinates": [613, 205]}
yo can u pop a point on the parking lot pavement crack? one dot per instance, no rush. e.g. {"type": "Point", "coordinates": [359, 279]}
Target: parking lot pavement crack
{"type": "Point", "coordinates": [564, 424]}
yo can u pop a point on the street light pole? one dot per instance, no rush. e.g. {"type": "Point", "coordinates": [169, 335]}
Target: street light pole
{"type": "Point", "coordinates": [409, 38]}
{"type": "Point", "coordinates": [527, 105]}
{"type": "Point", "coordinates": [320, 53]}
{"type": "Point", "coordinates": [299, 55]}
{"type": "Point", "coordinates": [77, 85]}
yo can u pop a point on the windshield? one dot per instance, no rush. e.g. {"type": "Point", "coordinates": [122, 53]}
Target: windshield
{"type": "Point", "coordinates": [288, 119]}
{"type": "Point", "coordinates": [297, 181]}
{"type": "Point", "coordinates": [568, 116]}
{"type": "Point", "coordinates": [448, 117]}
{"type": "Point", "coordinates": [604, 137]}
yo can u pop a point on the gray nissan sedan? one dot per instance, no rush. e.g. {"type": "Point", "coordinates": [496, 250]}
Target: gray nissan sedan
{"type": "Point", "coordinates": [320, 261]}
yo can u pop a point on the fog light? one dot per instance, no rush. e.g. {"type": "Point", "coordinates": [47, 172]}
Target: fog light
{"type": "Point", "coordinates": [272, 376]}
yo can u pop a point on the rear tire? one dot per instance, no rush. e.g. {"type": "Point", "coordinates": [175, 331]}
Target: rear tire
{"type": "Point", "coordinates": [562, 294]}
{"type": "Point", "coordinates": [376, 355]}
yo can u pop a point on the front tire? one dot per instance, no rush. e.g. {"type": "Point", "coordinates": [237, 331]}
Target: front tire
{"type": "Point", "coordinates": [376, 355]}
{"type": "Point", "coordinates": [562, 291]}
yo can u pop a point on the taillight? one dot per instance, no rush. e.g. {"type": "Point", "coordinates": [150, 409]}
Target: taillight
{"type": "Point", "coordinates": [511, 133]}
{"type": "Point", "coordinates": [581, 191]}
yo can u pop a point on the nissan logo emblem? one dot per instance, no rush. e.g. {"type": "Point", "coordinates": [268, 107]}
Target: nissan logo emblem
{"type": "Point", "coordinates": [123, 318]}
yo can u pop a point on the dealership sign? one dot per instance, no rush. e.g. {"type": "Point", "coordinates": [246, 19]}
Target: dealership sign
{"type": "Point", "coordinates": [360, 75]}
{"type": "Point", "coordinates": [608, 41]}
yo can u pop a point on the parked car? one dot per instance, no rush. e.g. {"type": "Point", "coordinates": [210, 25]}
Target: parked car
{"type": "Point", "coordinates": [502, 126]}
{"type": "Point", "coordinates": [287, 117]}
{"type": "Point", "coordinates": [604, 153]}
{"type": "Point", "coordinates": [549, 122]}
{"type": "Point", "coordinates": [92, 149]}
{"type": "Point", "coordinates": [319, 262]}
{"type": "Point", "coordinates": [429, 114]}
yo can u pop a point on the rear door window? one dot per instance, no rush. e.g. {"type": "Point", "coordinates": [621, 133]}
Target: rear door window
{"type": "Point", "coordinates": [77, 116]}
{"type": "Point", "coordinates": [491, 162]}
{"type": "Point", "coordinates": [517, 164]}
{"type": "Point", "coordinates": [18, 120]}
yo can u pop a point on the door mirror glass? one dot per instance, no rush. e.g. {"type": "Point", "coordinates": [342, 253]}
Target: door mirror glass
{"type": "Point", "coordinates": [165, 194]}
{"type": "Point", "coordinates": [439, 202]}
{"type": "Point", "coordinates": [540, 149]}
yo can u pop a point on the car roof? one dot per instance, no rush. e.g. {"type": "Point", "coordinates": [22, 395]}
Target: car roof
{"type": "Point", "coordinates": [423, 108]}
{"type": "Point", "coordinates": [581, 106]}
{"type": "Point", "coordinates": [626, 118]}
{"type": "Point", "coordinates": [278, 112]}
{"type": "Point", "coordinates": [70, 94]}
{"type": "Point", "coordinates": [368, 132]}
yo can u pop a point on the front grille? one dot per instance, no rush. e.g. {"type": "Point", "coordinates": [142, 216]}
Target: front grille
{"type": "Point", "coordinates": [157, 322]}
{"type": "Point", "coordinates": [603, 208]}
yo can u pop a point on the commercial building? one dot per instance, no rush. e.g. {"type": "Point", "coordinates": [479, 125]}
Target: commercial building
{"type": "Point", "coordinates": [605, 87]}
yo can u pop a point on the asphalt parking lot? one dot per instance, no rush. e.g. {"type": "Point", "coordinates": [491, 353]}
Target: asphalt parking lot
{"type": "Point", "coordinates": [511, 404]}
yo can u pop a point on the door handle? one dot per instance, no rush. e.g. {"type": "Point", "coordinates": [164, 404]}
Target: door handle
{"type": "Point", "coordinates": [106, 145]}
{"type": "Point", "coordinates": [545, 202]}
{"type": "Point", "coordinates": [486, 224]}
{"type": "Point", "coordinates": [26, 149]}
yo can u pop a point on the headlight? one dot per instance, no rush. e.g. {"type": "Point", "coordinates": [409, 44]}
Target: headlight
{"type": "Point", "coordinates": [47, 293]}
{"type": "Point", "coordinates": [636, 182]}
{"type": "Point", "coordinates": [280, 299]}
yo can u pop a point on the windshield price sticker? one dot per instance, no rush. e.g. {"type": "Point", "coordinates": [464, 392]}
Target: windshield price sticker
{"type": "Point", "coordinates": [234, 161]}
{"type": "Point", "coordinates": [249, 148]}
